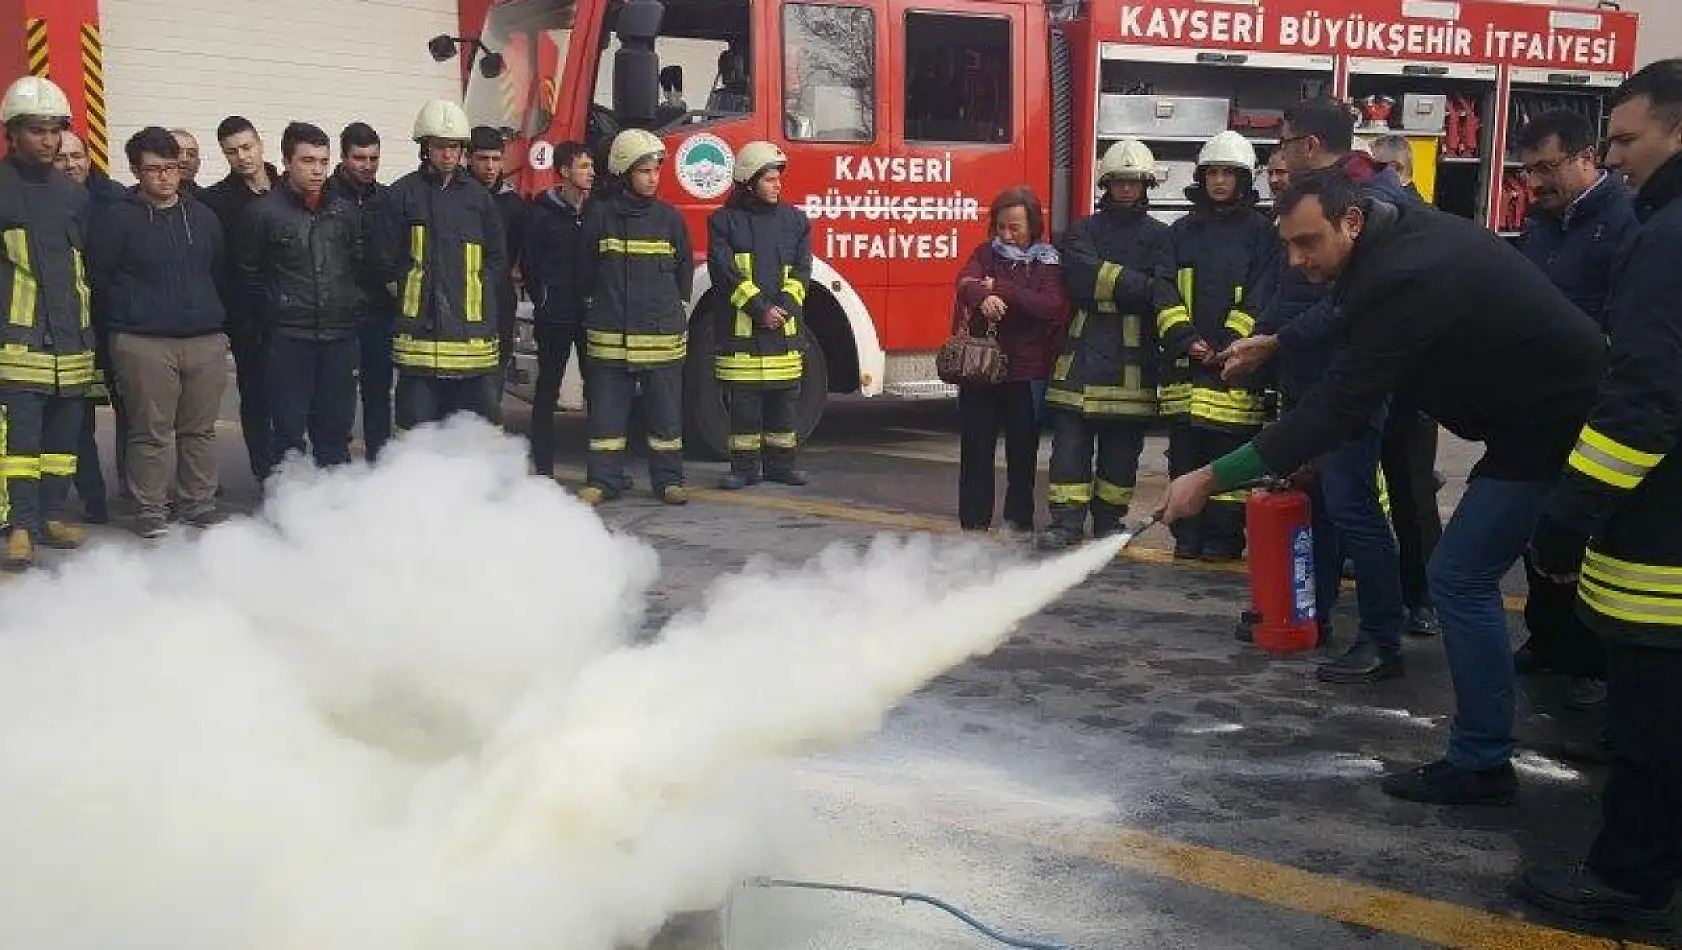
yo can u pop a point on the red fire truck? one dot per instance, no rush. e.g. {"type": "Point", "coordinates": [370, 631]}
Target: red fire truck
{"type": "Point", "coordinates": [903, 118]}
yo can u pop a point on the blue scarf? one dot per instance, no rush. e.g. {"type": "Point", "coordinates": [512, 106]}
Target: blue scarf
{"type": "Point", "coordinates": [1040, 253]}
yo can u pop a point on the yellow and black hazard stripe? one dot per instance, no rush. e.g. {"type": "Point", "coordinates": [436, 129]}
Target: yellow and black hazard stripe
{"type": "Point", "coordinates": [35, 46]}
{"type": "Point", "coordinates": [93, 96]}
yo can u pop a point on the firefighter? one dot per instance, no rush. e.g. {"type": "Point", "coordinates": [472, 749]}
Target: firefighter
{"type": "Point", "coordinates": [1220, 250]}
{"type": "Point", "coordinates": [1117, 267]}
{"type": "Point", "coordinates": [1621, 499]}
{"type": "Point", "coordinates": [439, 242]}
{"type": "Point", "coordinates": [760, 258]}
{"type": "Point", "coordinates": [638, 273]}
{"type": "Point", "coordinates": [47, 360]}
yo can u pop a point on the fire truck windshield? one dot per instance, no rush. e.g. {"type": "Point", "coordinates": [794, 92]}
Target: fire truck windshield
{"type": "Point", "coordinates": [705, 62]}
{"type": "Point", "coordinates": [533, 37]}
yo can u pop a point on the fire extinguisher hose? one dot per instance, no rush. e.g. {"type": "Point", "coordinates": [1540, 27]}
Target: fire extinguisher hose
{"type": "Point", "coordinates": [905, 897]}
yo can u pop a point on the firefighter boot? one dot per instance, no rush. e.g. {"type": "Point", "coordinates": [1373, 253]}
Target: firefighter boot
{"type": "Point", "coordinates": [20, 552]}
{"type": "Point", "coordinates": [1107, 519]}
{"type": "Point", "coordinates": [785, 476]}
{"type": "Point", "coordinates": [674, 495]}
{"type": "Point", "coordinates": [594, 495]}
{"type": "Point", "coordinates": [1067, 528]}
{"type": "Point", "coordinates": [65, 536]}
{"type": "Point", "coordinates": [744, 472]}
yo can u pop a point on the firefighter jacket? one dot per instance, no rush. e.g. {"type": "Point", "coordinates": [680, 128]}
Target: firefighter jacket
{"type": "Point", "coordinates": [366, 199]}
{"type": "Point", "coordinates": [299, 266]}
{"type": "Point", "coordinates": [1220, 253]}
{"type": "Point", "coordinates": [1118, 271]}
{"type": "Point", "coordinates": [640, 271]}
{"type": "Point", "coordinates": [440, 244]}
{"type": "Point", "coordinates": [555, 258]}
{"type": "Point", "coordinates": [759, 256]}
{"type": "Point", "coordinates": [1622, 488]}
{"type": "Point", "coordinates": [47, 339]}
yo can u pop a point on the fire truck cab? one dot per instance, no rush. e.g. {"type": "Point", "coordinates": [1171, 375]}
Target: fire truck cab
{"type": "Point", "coordinates": [903, 118]}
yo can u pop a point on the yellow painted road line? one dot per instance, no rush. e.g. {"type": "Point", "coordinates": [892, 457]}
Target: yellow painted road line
{"type": "Point", "coordinates": [1433, 921]}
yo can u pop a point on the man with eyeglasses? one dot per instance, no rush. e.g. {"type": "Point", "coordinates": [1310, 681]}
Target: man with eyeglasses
{"type": "Point", "coordinates": [1581, 218]}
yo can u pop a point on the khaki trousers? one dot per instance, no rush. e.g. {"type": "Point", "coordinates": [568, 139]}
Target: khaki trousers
{"type": "Point", "coordinates": [172, 389]}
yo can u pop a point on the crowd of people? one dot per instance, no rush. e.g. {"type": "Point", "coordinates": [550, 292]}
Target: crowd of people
{"type": "Point", "coordinates": [335, 292]}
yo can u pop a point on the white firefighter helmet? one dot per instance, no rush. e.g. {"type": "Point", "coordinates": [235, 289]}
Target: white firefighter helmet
{"type": "Point", "coordinates": [756, 157]}
{"type": "Point", "coordinates": [1228, 150]}
{"type": "Point", "coordinates": [630, 148]}
{"type": "Point", "coordinates": [1128, 158]}
{"type": "Point", "coordinates": [35, 98]}
{"type": "Point", "coordinates": [442, 119]}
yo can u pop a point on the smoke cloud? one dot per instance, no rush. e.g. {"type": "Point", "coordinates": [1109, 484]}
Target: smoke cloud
{"type": "Point", "coordinates": [410, 709]}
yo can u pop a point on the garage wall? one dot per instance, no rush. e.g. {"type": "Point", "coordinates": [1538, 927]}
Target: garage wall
{"type": "Point", "coordinates": [190, 63]}
{"type": "Point", "coordinates": [1661, 28]}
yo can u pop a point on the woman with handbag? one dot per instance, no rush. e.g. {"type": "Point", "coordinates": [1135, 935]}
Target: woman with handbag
{"type": "Point", "coordinates": [1011, 294]}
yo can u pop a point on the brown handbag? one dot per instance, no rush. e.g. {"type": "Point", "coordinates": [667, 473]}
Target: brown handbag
{"type": "Point", "coordinates": [968, 360]}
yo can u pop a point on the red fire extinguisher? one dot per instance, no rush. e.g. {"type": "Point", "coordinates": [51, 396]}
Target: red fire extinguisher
{"type": "Point", "coordinates": [1281, 553]}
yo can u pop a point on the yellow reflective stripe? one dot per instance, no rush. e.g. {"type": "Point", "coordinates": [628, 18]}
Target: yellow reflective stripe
{"type": "Point", "coordinates": [22, 312]}
{"type": "Point", "coordinates": [744, 325]}
{"type": "Point", "coordinates": [417, 272]}
{"type": "Point", "coordinates": [1653, 578]}
{"type": "Point", "coordinates": [445, 355]}
{"type": "Point", "coordinates": [1113, 494]}
{"type": "Point", "coordinates": [53, 464]}
{"type": "Point", "coordinates": [746, 443]}
{"type": "Point", "coordinates": [474, 262]}
{"type": "Point", "coordinates": [1132, 330]}
{"type": "Point", "coordinates": [1629, 608]}
{"type": "Point", "coordinates": [84, 295]}
{"type": "Point", "coordinates": [1240, 322]}
{"type": "Point", "coordinates": [1060, 369]}
{"type": "Point", "coordinates": [640, 348]}
{"type": "Point", "coordinates": [1186, 280]}
{"type": "Point", "coordinates": [20, 466]}
{"type": "Point", "coordinates": [1230, 408]}
{"type": "Point", "coordinates": [619, 444]}
{"type": "Point", "coordinates": [1078, 325]}
{"type": "Point", "coordinates": [1231, 497]}
{"type": "Point", "coordinates": [1238, 294]}
{"type": "Point", "coordinates": [1607, 460]}
{"type": "Point", "coordinates": [1631, 592]}
{"type": "Point", "coordinates": [752, 368]}
{"type": "Point", "coordinates": [793, 287]}
{"type": "Point", "coordinates": [1104, 289]}
{"type": "Point", "coordinates": [665, 445]}
{"type": "Point", "coordinates": [1068, 493]}
{"type": "Point", "coordinates": [1106, 306]}
{"type": "Point", "coordinates": [609, 245]}
{"type": "Point", "coordinates": [1176, 398]}
{"type": "Point", "coordinates": [747, 289]}
{"type": "Point", "coordinates": [1170, 318]}
{"type": "Point", "coordinates": [782, 440]}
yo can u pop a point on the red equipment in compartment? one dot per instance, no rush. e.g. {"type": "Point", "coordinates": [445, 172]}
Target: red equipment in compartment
{"type": "Point", "coordinates": [1281, 553]}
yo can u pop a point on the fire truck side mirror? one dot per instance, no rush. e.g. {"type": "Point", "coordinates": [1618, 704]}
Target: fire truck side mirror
{"type": "Point", "coordinates": [636, 67]}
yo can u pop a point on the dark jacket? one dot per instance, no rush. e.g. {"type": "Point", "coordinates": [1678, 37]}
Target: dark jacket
{"type": "Point", "coordinates": [104, 193]}
{"type": "Point", "coordinates": [229, 198]}
{"type": "Point", "coordinates": [1578, 250]}
{"type": "Point", "coordinates": [366, 198]}
{"type": "Point", "coordinates": [555, 258]}
{"type": "Point", "coordinates": [1221, 258]}
{"type": "Point", "coordinates": [46, 333]}
{"type": "Point", "coordinates": [512, 208]}
{"type": "Point", "coordinates": [441, 243]}
{"type": "Point", "coordinates": [154, 269]}
{"type": "Point", "coordinates": [1622, 489]}
{"type": "Point", "coordinates": [301, 265]}
{"type": "Point", "coordinates": [1118, 271]}
{"type": "Point", "coordinates": [759, 256]}
{"type": "Point", "coordinates": [1036, 309]}
{"type": "Point", "coordinates": [1451, 318]}
{"type": "Point", "coordinates": [641, 271]}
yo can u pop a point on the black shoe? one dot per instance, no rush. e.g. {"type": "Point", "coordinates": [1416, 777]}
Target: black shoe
{"type": "Point", "coordinates": [1361, 664]}
{"type": "Point", "coordinates": [1422, 622]}
{"type": "Point", "coordinates": [1580, 894]}
{"type": "Point", "coordinates": [736, 481]}
{"type": "Point", "coordinates": [790, 476]}
{"type": "Point", "coordinates": [1058, 538]}
{"type": "Point", "coordinates": [1527, 662]}
{"type": "Point", "coordinates": [1439, 783]}
{"type": "Point", "coordinates": [1585, 693]}
{"type": "Point", "coordinates": [1103, 529]}
{"type": "Point", "coordinates": [96, 512]}
{"type": "Point", "coordinates": [1244, 631]}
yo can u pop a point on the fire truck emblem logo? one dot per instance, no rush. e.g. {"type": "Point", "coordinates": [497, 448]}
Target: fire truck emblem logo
{"type": "Point", "coordinates": [703, 165]}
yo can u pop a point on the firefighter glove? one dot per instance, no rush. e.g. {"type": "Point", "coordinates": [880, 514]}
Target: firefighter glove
{"type": "Point", "coordinates": [1556, 549]}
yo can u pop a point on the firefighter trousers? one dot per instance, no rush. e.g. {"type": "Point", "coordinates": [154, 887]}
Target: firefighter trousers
{"type": "Point", "coordinates": [762, 426]}
{"type": "Point", "coordinates": [614, 392]}
{"type": "Point", "coordinates": [1639, 848]}
{"type": "Point", "coordinates": [1073, 490]}
{"type": "Point", "coordinates": [38, 436]}
{"type": "Point", "coordinates": [422, 399]}
{"type": "Point", "coordinates": [1218, 532]}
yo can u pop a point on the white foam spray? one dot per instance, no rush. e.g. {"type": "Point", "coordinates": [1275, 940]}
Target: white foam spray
{"type": "Point", "coordinates": [407, 711]}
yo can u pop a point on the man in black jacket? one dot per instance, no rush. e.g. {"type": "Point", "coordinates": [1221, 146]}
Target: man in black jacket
{"type": "Point", "coordinates": [1621, 499]}
{"type": "Point", "coordinates": [154, 260]}
{"type": "Point", "coordinates": [1428, 299]}
{"type": "Point", "coordinates": [298, 254]}
{"type": "Point", "coordinates": [485, 158]}
{"type": "Point", "coordinates": [249, 178]}
{"type": "Point", "coordinates": [356, 181]}
{"type": "Point", "coordinates": [555, 257]}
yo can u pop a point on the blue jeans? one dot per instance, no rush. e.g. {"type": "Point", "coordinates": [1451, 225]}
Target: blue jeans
{"type": "Point", "coordinates": [1482, 542]}
{"type": "Point", "coordinates": [1348, 521]}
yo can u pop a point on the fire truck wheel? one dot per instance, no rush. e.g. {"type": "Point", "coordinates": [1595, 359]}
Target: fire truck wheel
{"type": "Point", "coordinates": [707, 427]}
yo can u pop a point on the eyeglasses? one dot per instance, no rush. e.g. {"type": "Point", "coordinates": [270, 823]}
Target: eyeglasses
{"type": "Point", "coordinates": [157, 171]}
